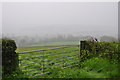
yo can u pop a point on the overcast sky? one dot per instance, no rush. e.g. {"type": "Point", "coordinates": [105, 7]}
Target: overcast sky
{"type": "Point", "coordinates": [48, 18]}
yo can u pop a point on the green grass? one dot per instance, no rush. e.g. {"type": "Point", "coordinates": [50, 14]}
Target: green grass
{"type": "Point", "coordinates": [90, 68]}
{"type": "Point", "coordinates": [95, 67]}
{"type": "Point", "coordinates": [35, 48]}
{"type": "Point", "coordinates": [57, 43]}
{"type": "Point", "coordinates": [38, 61]}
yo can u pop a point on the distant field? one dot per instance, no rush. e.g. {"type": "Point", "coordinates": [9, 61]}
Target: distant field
{"type": "Point", "coordinates": [46, 46]}
{"type": "Point", "coordinates": [34, 48]}
{"type": "Point", "coordinates": [57, 43]}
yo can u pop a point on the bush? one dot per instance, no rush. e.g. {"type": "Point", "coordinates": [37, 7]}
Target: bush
{"type": "Point", "coordinates": [102, 49]}
{"type": "Point", "coordinates": [9, 56]}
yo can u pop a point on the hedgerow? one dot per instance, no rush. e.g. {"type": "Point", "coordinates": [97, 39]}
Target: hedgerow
{"type": "Point", "coordinates": [9, 56]}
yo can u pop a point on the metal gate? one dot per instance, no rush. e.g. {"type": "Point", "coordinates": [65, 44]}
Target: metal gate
{"type": "Point", "coordinates": [40, 62]}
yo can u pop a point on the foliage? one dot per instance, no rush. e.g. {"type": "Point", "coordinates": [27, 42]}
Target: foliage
{"type": "Point", "coordinates": [101, 49]}
{"type": "Point", "coordinates": [90, 68]}
{"type": "Point", "coordinates": [98, 60]}
{"type": "Point", "coordinates": [37, 62]}
{"type": "Point", "coordinates": [8, 46]}
{"type": "Point", "coordinates": [16, 74]}
{"type": "Point", "coordinates": [9, 56]}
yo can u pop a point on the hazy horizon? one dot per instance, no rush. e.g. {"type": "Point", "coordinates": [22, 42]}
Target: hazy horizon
{"type": "Point", "coordinates": [51, 18]}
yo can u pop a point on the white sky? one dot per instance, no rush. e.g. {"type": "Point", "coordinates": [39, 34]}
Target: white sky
{"type": "Point", "coordinates": [60, 0]}
{"type": "Point", "coordinates": [0, 20]}
{"type": "Point", "coordinates": [94, 18]}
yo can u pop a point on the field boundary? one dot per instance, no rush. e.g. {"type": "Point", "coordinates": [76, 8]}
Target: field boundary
{"type": "Point", "coordinates": [46, 65]}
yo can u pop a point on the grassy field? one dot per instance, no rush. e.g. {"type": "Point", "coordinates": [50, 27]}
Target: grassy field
{"type": "Point", "coordinates": [94, 67]}
{"type": "Point", "coordinates": [46, 46]}
{"type": "Point", "coordinates": [56, 44]}
{"type": "Point", "coordinates": [51, 61]}
{"type": "Point", "coordinates": [35, 48]}
{"type": "Point", "coordinates": [91, 68]}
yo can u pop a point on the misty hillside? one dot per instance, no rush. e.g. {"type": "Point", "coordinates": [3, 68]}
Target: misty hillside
{"type": "Point", "coordinates": [27, 41]}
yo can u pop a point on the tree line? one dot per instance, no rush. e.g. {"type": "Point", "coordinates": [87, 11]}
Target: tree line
{"type": "Point", "coordinates": [23, 41]}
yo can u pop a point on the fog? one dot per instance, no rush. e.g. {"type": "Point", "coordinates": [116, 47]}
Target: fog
{"type": "Point", "coordinates": [48, 19]}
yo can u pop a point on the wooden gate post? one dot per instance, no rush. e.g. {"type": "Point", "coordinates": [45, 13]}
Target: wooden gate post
{"type": "Point", "coordinates": [82, 46]}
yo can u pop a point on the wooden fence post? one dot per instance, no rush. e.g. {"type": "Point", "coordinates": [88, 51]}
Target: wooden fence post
{"type": "Point", "coordinates": [82, 46]}
{"type": "Point", "coordinates": [9, 57]}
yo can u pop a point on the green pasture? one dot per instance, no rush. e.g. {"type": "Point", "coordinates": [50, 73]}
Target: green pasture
{"type": "Point", "coordinates": [23, 49]}
{"type": "Point", "coordinates": [36, 63]}
{"type": "Point", "coordinates": [91, 68]}
{"type": "Point", "coordinates": [46, 46]}
{"type": "Point", "coordinates": [56, 43]}
{"type": "Point", "coordinates": [95, 66]}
